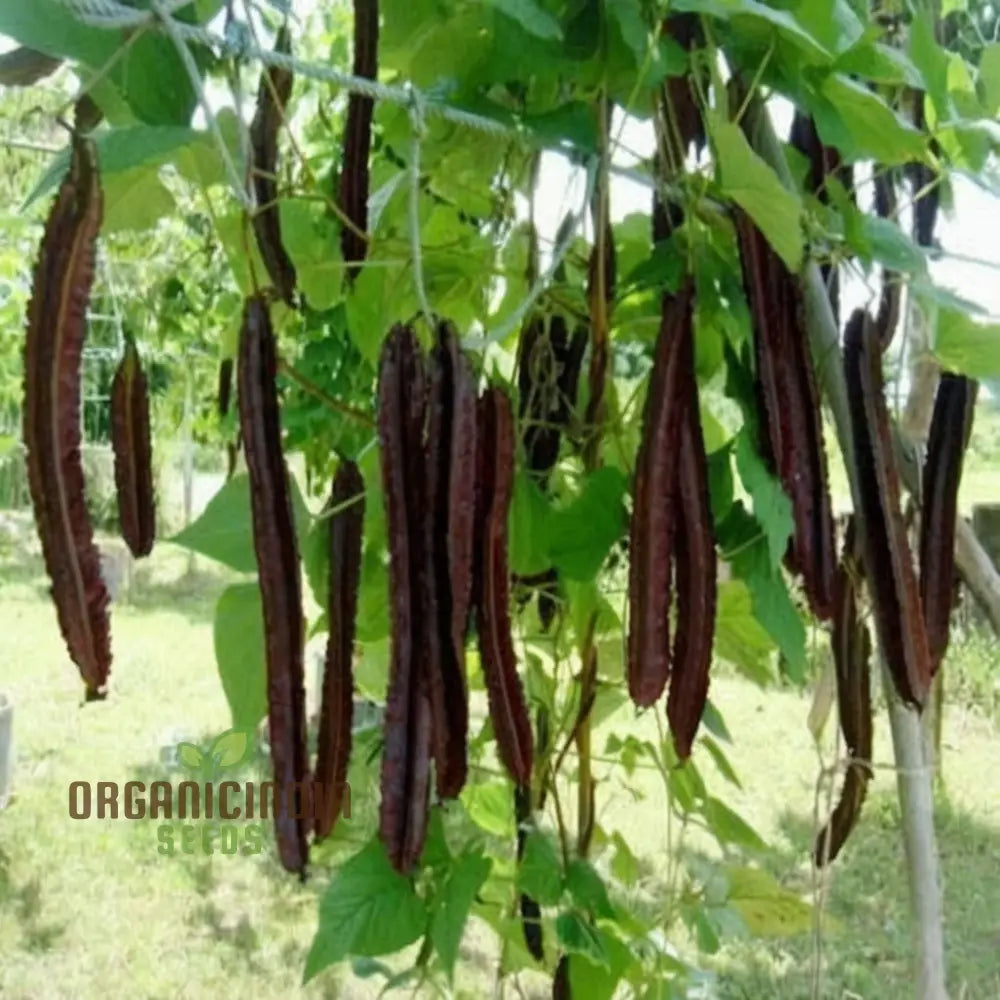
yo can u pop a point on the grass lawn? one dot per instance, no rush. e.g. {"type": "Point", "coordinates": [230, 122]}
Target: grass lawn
{"type": "Point", "coordinates": [91, 910]}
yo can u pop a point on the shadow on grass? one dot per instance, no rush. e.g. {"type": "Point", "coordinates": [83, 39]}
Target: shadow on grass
{"type": "Point", "coordinates": [866, 943]}
{"type": "Point", "coordinates": [192, 594]}
{"type": "Point", "coordinates": [25, 901]}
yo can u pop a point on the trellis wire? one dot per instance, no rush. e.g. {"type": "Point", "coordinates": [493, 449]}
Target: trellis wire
{"type": "Point", "coordinates": [109, 14]}
{"type": "Point", "coordinates": [112, 15]}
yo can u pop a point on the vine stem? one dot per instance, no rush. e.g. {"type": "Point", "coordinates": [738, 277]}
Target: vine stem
{"type": "Point", "coordinates": [310, 388]}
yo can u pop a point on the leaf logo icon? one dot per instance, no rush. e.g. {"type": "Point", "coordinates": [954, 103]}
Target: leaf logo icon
{"type": "Point", "coordinates": [231, 748]}
{"type": "Point", "coordinates": [191, 758]}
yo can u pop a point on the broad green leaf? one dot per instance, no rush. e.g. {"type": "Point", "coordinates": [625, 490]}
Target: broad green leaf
{"type": "Point", "coordinates": [540, 871]}
{"type": "Point", "coordinates": [931, 59]}
{"type": "Point", "coordinates": [527, 525]}
{"type": "Point", "coordinates": [368, 909]}
{"type": "Point", "coordinates": [624, 864]}
{"type": "Point", "coordinates": [453, 903]}
{"type": "Point", "coordinates": [730, 828]}
{"type": "Point", "coordinates": [587, 889]}
{"type": "Point", "coordinates": [739, 636]}
{"type": "Point", "coordinates": [889, 245]}
{"type": "Point", "coordinates": [589, 980]}
{"type": "Point", "coordinates": [155, 81]}
{"type": "Point", "coordinates": [135, 200]}
{"type": "Point", "coordinates": [755, 187]}
{"type": "Point", "coordinates": [531, 15]}
{"type": "Point", "coordinates": [989, 76]}
{"type": "Point", "coordinates": [743, 540]}
{"type": "Point", "coordinates": [578, 936]}
{"type": "Point", "coordinates": [49, 27]}
{"type": "Point", "coordinates": [767, 909]}
{"type": "Point", "coordinates": [490, 806]}
{"type": "Point", "coordinates": [963, 345]}
{"type": "Point", "coordinates": [224, 533]}
{"type": "Point", "coordinates": [831, 22]}
{"type": "Point", "coordinates": [231, 748]}
{"type": "Point", "coordinates": [311, 239]}
{"type": "Point", "coordinates": [771, 505]}
{"type": "Point", "coordinates": [860, 124]}
{"type": "Point", "coordinates": [123, 149]}
{"type": "Point", "coordinates": [238, 633]}
{"type": "Point", "coordinates": [581, 534]}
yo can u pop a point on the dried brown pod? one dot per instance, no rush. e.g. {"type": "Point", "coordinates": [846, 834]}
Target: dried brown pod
{"type": "Point", "coordinates": [508, 710]}
{"type": "Point", "coordinates": [890, 297]}
{"type": "Point", "coordinates": [405, 777]}
{"type": "Point", "coordinates": [888, 562]}
{"type": "Point", "coordinates": [277, 554]}
{"type": "Point", "coordinates": [696, 573]}
{"type": "Point", "coordinates": [789, 408]}
{"type": "Point", "coordinates": [824, 162]}
{"type": "Point", "coordinates": [951, 425]}
{"type": "Point", "coordinates": [653, 525]}
{"type": "Point", "coordinates": [684, 122]}
{"type": "Point", "coordinates": [449, 532]}
{"type": "Point", "coordinates": [354, 175]}
{"type": "Point", "coordinates": [272, 100]}
{"type": "Point", "coordinates": [132, 447]}
{"type": "Point", "coordinates": [333, 748]}
{"type": "Point", "coordinates": [531, 912]}
{"type": "Point", "coordinates": [225, 389]}
{"type": "Point", "coordinates": [548, 376]}
{"type": "Point", "coordinates": [56, 327]}
{"type": "Point", "coordinates": [851, 647]}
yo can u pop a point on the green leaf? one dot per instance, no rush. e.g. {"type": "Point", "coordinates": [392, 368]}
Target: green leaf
{"type": "Point", "coordinates": [754, 17]}
{"type": "Point", "coordinates": [224, 533]}
{"type": "Point", "coordinates": [860, 124]}
{"type": "Point", "coordinates": [531, 16]}
{"type": "Point", "coordinates": [310, 236]}
{"type": "Point", "coordinates": [767, 909]}
{"type": "Point", "coordinates": [624, 864]}
{"type": "Point", "coordinates": [730, 828]}
{"type": "Point", "coordinates": [190, 756]}
{"type": "Point", "coordinates": [578, 936]}
{"type": "Point", "coordinates": [589, 980]}
{"type": "Point", "coordinates": [231, 748]}
{"type": "Point", "coordinates": [963, 345]}
{"type": "Point", "coordinates": [581, 534]}
{"type": "Point", "coordinates": [238, 633]}
{"type": "Point", "coordinates": [889, 245]}
{"type": "Point", "coordinates": [49, 27]}
{"type": "Point", "coordinates": [587, 889]}
{"type": "Point", "coordinates": [743, 542]}
{"type": "Point", "coordinates": [831, 22]}
{"type": "Point", "coordinates": [491, 807]}
{"type": "Point", "coordinates": [123, 149]}
{"type": "Point", "coordinates": [135, 200]}
{"type": "Point", "coordinates": [721, 760]}
{"type": "Point", "coordinates": [739, 636]}
{"type": "Point", "coordinates": [771, 505]}
{"type": "Point", "coordinates": [540, 871]}
{"type": "Point", "coordinates": [368, 909]}
{"type": "Point", "coordinates": [453, 902]}
{"type": "Point", "coordinates": [755, 187]}
{"type": "Point", "coordinates": [989, 76]}
{"type": "Point", "coordinates": [527, 526]}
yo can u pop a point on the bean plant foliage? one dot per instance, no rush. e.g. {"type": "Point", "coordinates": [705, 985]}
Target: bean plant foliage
{"type": "Point", "coordinates": [449, 226]}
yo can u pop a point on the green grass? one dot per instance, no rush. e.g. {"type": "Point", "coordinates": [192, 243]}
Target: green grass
{"type": "Point", "coordinates": [90, 910]}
